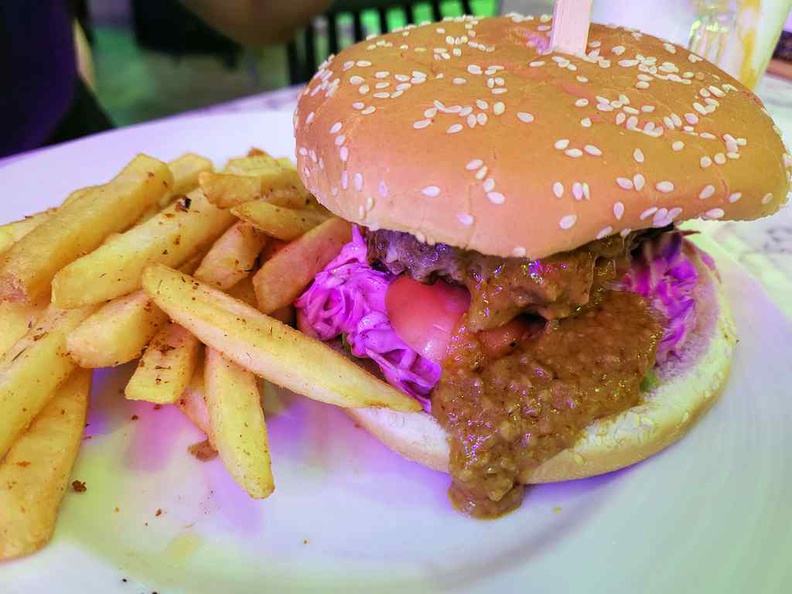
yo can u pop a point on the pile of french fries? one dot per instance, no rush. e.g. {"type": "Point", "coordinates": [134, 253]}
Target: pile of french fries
{"type": "Point", "coordinates": [194, 273]}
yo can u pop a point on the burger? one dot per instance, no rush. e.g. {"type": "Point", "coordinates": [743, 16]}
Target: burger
{"type": "Point", "coordinates": [517, 263]}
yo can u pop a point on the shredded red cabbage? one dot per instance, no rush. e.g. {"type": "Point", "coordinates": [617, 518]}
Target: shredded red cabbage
{"type": "Point", "coordinates": [348, 299]}
{"type": "Point", "coordinates": [663, 273]}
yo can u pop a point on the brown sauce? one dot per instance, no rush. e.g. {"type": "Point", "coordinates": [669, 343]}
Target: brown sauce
{"type": "Point", "coordinates": [508, 412]}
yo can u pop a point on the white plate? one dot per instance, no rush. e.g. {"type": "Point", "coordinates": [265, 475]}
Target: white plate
{"type": "Point", "coordinates": [711, 514]}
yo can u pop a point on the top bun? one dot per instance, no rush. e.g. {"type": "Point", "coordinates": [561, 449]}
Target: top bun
{"type": "Point", "coordinates": [472, 133]}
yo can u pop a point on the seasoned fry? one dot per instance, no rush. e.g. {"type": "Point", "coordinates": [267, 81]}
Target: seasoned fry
{"type": "Point", "coordinates": [173, 236]}
{"type": "Point", "coordinates": [254, 178]}
{"type": "Point", "coordinates": [244, 291]}
{"type": "Point", "coordinates": [35, 472]}
{"type": "Point", "coordinates": [10, 233]}
{"type": "Point", "coordinates": [76, 194]}
{"type": "Point", "coordinates": [15, 320]}
{"type": "Point", "coordinates": [285, 224]}
{"type": "Point", "coordinates": [233, 256]}
{"type": "Point", "coordinates": [186, 170]}
{"type": "Point", "coordinates": [166, 367]}
{"type": "Point", "coordinates": [27, 269]}
{"type": "Point", "coordinates": [283, 277]}
{"type": "Point", "coordinates": [237, 421]}
{"type": "Point", "coordinates": [267, 347]}
{"type": "Point", "coordinates": [117, 333]}
{"type": "Point", "coordinates": [32, 368]}
{"type": "Point", "coordinates": [193, 404]}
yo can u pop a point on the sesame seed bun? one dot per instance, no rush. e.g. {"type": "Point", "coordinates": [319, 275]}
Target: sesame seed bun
{"type": "Point", "coordinates": [468, 132]}
{"type": "Point", "coordinates": [688, 387]}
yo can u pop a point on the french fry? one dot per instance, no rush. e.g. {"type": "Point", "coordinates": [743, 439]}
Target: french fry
{"type": "Point", "coordinates": [174, 235]}
{"type": "Point", "coordinates": [165, 369]}
{"type": "Point", "coordinates": [80, 226]}
{"type": "Point", "coordinates": [253, 178]}
{"type": "Point", "coordinates": [120, 330]}
{"type": "Point", "coordinates": [244, 291]}
{"type": "Point", "coordinates": [32, 368]}
{"type": "Point", "coordinates": [233, 256]}
{"type": "Point", "coordinates": [10, 233]}
{"type": "Point", "coordinates": [193, 403]}
{"type": "Point", "coordinates": [282, 278]}
{"type": "Point", "coordinates": [79, 193]}
{"type": "Point", "coordinates": [35, 472]}
{"type": "Point", "coordinates": [281, 223]}
{"type": "Point", "coordinates": [186, 170]}
{"type": "Point", "coordinates": [237, 420]}
{"type": "Point", "coordinates": [15, 320]}
{"type": "Point", "coordinates": [116, 333]}
{"type": "Point", "coordinates": [267, 347]}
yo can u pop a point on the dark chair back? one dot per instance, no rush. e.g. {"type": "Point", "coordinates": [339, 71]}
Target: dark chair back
{"type": "Point", "coordinates": [303, 54]}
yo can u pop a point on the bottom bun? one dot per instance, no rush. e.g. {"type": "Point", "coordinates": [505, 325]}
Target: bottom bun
{"type": "Point", "coordinates": [688, 387]}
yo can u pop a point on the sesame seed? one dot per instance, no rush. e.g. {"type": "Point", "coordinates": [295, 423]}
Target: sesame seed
{"type": "Point", "coordinates": [642, 85]}
{"type": "Point", "coordinates": [363, 63]}
{"type": "Point", "coordinates": [627, 63]}
{"type": "Point", "coordinates": [403, 86]}
{"type": "Point", "coordinates": [481, 173]}
{"type": "Point", "coordinates": [498, 108]}
{"type": "Point", "coordinates": [348, 64]}
{"type": "Point", "coordinates": [618, 210]}
{"type": "Point", "coordinates": [604, 232]}
{"type": "Point", "coordinates": [604, 107]}
{"type": "Point", "coordinates": [481, 118]}
{"type": "Point", "coordinates": [581, 79]}
{"type": "Point", "coordinates": [620, 118]}
{"type": "Point", "coordinates": [639, 181]}
{"type": "Point", "coordinates": [618, 49]}
{"type": "Point", "coordinates": [707, 192]}
{"type": "Point", "coordinates": [561, 144]}
{"type": "Point", "coordinates": [431, 191]}
{"type": "Point", "coordinates": [519, 252]}
{"type": "Point", "coordinates": [382, 74]}
{"type": "Point", "coordinates": [558, 189]}
{"type": "Point", "coordinates": [638, 155]}
{"type": "Point", "coordinates": [310, 118]}
{"type": "Point", "coordinates": [344, 179]}
{"type": "Point", "coordinates": [500, 91]}
{"type": "Point", "coordinates": [382, 85]}
{"type": "Point", "coordinates": [574, 153]}
{"type": "Point", "coordinates": [496, 197]}
{"type": "Point", "coordinates": [356, 80]}
{"type": "Point", "coordinates": [383, 189]}
{"type": "Point", "coordinates": [358, 181]}
{"type": "Point", "coordinates": [691, 118]}
{"type": "Point", "coordinates": [465, 111]}
{"type": "Point", "coordinates": [699, 108]}
{"type": "Point", "coordinates": [489, 184]}
{"type": "Point", "coordinates": [381, 95]}
{"type": "Point", "coordinates": [358, 105]}
{"type": "Point", "coordinates": [585, 122]}
{"type": "Point", "coordinates": [340, 139]}
{"type": "Point", "coordinates": [666, 187]}
{"type": "Point", "coordinates": [459, 80]}
{"type": "Point", "coordinates": [714, 213]}
{"type": "Point", "coordinates": [454, 128]}
{"type": "Point", "coordinates": [343, 154]}
{"type": "Point", "coordinates": [735, 197]}
{"type": "Point", "coordinates": [624, 183]}
{"type": "Point", "coordinates": [335, 128]}
{"type": "Point", "coordinates": [631, 110]}
{"type": "Point", "coordinates": [474, 69]}
{"type": "Point", "coordinates": [474, 164]}
{"type": "Point", "coordinates": [568, 221]}
{"type": "Point", "coordinates": [481, 104]}
{"type": "Point", "coordinates": [581, 102]}
{"type": "Point", "coordinates": [536, 63]}
{"type": "Point", "coordinates": [720, 158]}
{"type": "Point", "coordinates": [369, 110]}
{"type": "Point", "coordinates": [577, 191]}
{"type": "Point", "coordinates": [363, 89]}
{"type": "Point", "coordinates": [465, 219]}
{"type": "Point", "coordinates": [677, 145]}
{"type": "Point", "coordinates": [303, 151]}
{"type": "Point", "coordinates": [632, 123]}
{"type": "Point", "coordinates": [767, 198]}
{"type": "Point", "coordinates": [593, 150]}
{"type": "Point", "coordinates": [648, 213]}
{"type": "Point", "coordinates": [705, 162]}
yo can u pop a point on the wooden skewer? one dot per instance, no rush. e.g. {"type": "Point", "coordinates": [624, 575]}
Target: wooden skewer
{"type": "Point", "coordinates": [570, 26]}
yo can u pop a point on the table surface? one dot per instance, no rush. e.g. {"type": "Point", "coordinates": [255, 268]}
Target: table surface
{"type": "Point", "coordinates": [764, 247]}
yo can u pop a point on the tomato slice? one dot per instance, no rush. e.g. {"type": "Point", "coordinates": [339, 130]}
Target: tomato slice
{"type": "Point", "coordinates": [425, 316]}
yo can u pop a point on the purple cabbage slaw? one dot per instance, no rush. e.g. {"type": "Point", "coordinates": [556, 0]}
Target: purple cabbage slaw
{"type": "Point", "coordinates": [348, 299]}
{"type": "Point", "coordinates": [666, 277]}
